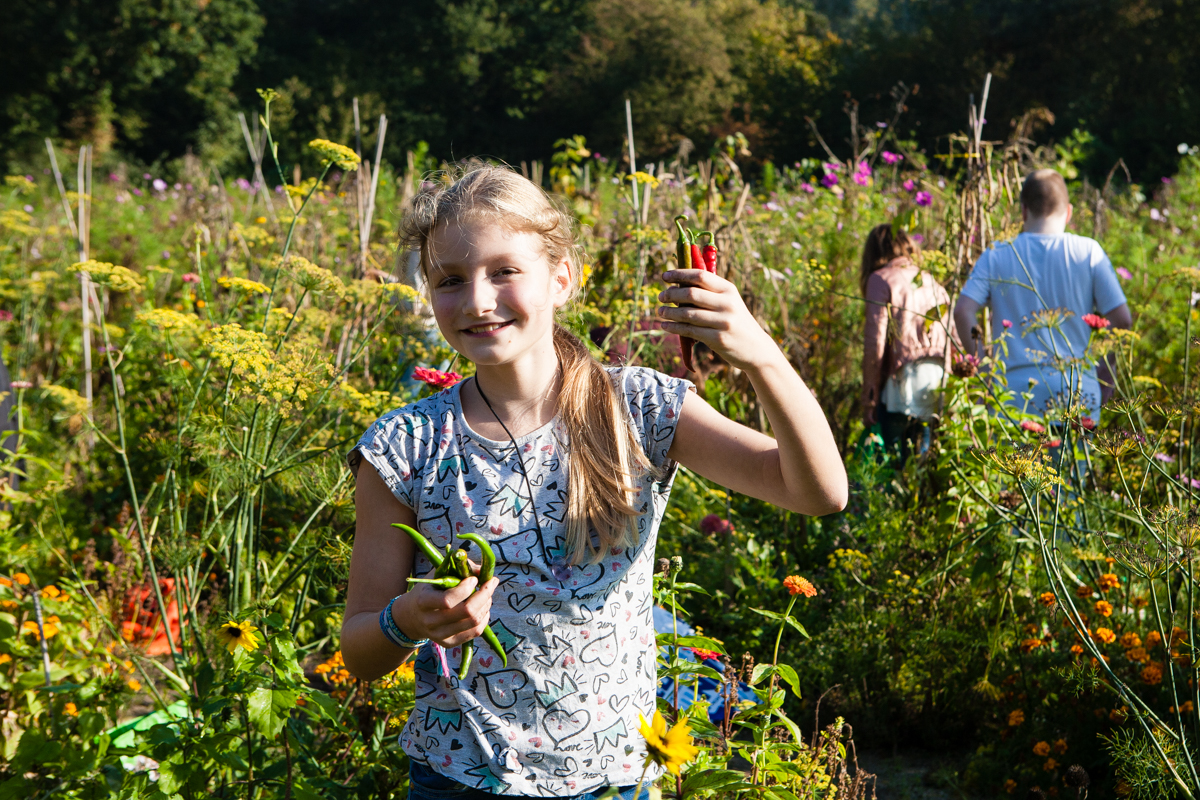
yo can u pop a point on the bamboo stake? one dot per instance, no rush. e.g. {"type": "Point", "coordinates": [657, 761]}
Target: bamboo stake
{"type": "Point", "coordinates": [367, 217]}
{"type": "Point", "coordinates": [632, 158]}
{"type": "Point", "coordinates": [256, 147]}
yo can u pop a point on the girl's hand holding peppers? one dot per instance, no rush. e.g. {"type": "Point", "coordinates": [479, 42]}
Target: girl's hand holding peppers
{"type": "Point", "coordinates": [717, 316]}
{"type": "Point", "coordinates": [449, 617]}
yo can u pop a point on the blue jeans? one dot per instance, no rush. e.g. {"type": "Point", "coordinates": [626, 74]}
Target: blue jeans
{"type": "Point", "coordinates": [425, 784]}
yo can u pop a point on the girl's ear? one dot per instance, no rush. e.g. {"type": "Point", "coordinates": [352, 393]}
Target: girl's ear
{"type": "Point", "coordinates": [561, 281]}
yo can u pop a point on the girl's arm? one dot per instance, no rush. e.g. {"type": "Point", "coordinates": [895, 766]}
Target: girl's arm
{"type": "Point", "coordinates": [800, 469]}
{"type": "Point", "coordinates": [380, 564]}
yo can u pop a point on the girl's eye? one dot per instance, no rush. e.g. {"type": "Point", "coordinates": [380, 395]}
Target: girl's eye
{"type": "Point", "coordinates": [448, 282]}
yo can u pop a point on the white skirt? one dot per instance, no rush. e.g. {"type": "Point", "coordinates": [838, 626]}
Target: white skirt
{"type": "Point", "coordinates": [913, 390]}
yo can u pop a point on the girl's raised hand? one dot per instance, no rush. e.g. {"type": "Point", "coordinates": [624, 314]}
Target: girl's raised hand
{"type": "Point", "coordinates": [719, 318]}
{"type": "Point", "coordinates": [448, 617]}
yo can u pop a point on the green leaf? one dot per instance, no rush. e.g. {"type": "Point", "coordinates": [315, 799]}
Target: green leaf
{"type": "Point", "coordinates": [690, 587]}
{"type": "Point", "coordinates": [710, 779]}
{"type": "Point", "coordinates": [703, 642]}
{"type": "Point", "coordinates": [269, 709]}
{"type": "Point", "coordinates": [760, 671]}
{"type": "Point", "coordinates": [781, 618]}
{"type": "Point", "coordinates": [789, 675]}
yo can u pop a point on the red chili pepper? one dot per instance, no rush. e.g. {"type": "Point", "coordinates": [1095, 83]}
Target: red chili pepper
{"type": "Point", "coordinates": [709, 254]}
{"type": "Point", "coordinates": [697, 257]}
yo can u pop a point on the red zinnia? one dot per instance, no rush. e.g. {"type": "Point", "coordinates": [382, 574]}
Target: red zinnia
{"type": "Point", "coordinates": [436, 378]}
{"type": "Point", "coordinates": [703, 654]}
{"type": "Point", "coordinates": [1095, 321]}
{"type": "Point", "coordinates": [1087, 423]}
{"type": "Point", "coordinates": [1032, 426]}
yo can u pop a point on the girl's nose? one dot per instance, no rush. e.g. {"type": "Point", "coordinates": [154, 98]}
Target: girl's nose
{"type": "Point", "coordinates": [481, 297]}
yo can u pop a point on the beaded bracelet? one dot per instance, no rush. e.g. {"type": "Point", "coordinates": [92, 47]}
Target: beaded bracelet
{"type": "Point", "coordinates": [392, 631]}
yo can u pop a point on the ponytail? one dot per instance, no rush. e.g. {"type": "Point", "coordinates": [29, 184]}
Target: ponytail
{"type": "Point", "coordinates": [605, 458]}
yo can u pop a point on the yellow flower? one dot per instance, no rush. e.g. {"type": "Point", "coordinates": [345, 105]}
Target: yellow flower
{"type": "Point", "coordinates": [119, 278]}
{"type": "Point", "coordinates": [5, 658]}
{"type": "Point", "coordinates": [21, 578]}
{"type": "Point", "coordinates": [134, 686]}
{"type": "Point", "coordinates": [238, 634]}
{"type": "Point", "coordinates": [243, 285]}
{"type": "Point", "coordinates": [1104, 636]}
{"type": "Point", "coordinates": [50, 626]}
{"type": "Point", "coordinates": [313, 278]}
{"type": "Point", "coordinates": [338, 154]}
{"type": "Point", "coordinates": [167, 319]}
{"type": "Point", "coordinates": [668, 748]}
{"type": "Point", "coordinates": [50, 592]}
{"type": "Point", "coordinates": [70, 710]}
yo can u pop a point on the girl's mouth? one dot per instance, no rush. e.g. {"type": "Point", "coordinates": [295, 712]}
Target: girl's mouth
{"type": "Point", "coordinates": [490, 329]}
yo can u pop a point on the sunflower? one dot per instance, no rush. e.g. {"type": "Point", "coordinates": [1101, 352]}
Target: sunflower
{"type": "Point", "coordinates": [668, 748]}
{"type": "Point", "coordinates": [238, 634]}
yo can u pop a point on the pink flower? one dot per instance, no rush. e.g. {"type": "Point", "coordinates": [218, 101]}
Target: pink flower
{"type": "Point", "coordinates": [807, 187]}
{"type": "Point", "coordinates": [1087, 423]}
{"type": "Point", "coordinates": [891, 158]}
{"type": "Point", "coordinates": [1052, 444]}
{"type": "Point", "coordinates": [924, 199]}
{"type": "Point", "coordinates": [862, 179]}
{"type": "Point", "coordinates": [1096, 322]}
{"type": "Point", "coordinates": [1033, 427]}
{"type": "Point", "coordinates": [909, 185]}
{"type": "Point", "coordinates": [1194, 482]}
{"type": "Point", "coordinates": [159, 185]}
{"type": "Point", "coordinates": [714, 524]}
{"type": "Point", "coordinates": [1124, 273]}
{"type": "Point", "coordinates": [436, 378]}
{"type": "Point", "coordinates": [22, 384]}
{"type": "Point", "coordinates": [1164, 458]}
{"type": "Point", "coordinates": [5, 315]}
{"type": "Point", "coordinates": [831, 166]}
{"type": "Point", "coordinates": [191, 277]}
{"type": "Point", "coordinates": [829, 181]}
{"type": "Point", "coordinates": [1007, 323]}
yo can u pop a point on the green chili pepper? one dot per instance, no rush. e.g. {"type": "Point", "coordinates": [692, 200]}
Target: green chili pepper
{"type": "Point", "coordinates": [439, 583]}
{"type": "Point", "coordinates": [487, 568]}
{"type": "Point", "coordinates": [683, 254]}
{"type": "Point", "coordinates": [426, 546]}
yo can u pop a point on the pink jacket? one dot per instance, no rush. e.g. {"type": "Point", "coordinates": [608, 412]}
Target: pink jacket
{"type": "Point", "coordinates": [908, 318]}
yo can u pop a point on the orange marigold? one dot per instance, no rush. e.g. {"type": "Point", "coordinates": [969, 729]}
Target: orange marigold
{"type": "Point", "coordinates": [1050, 765]}
{"type": "Point", "coordinates": [797, 585]}
{"type": "Point", "coordinates": [1131, 639]}
{"type": "Point", "coordinates": [1041, 749]}
{"type": "Point", "coordinates": [70, 710]}
{"type": "Point", "coordinates": [1153, 639]}
{"type": "Point", "coordinates": [1060, 746]}
{"type": "Point", "coordinates": [1016, 717]}
{"type": "Point", "coordinates": [1010, 786]}
{"type": "Point", "coordinates": [1083, 591]}
{"type": "Point", "coordinates": [1137, 654]}
{"type": "Point", "coordinates": [1047, 599]}
{"type": "Point", "coordinates": [1140, 601]}
{"type": "Point", "coordinates": [1103, 608]}
{"type": "Point", "coordinates": [1187, 707]}
{"type": "Point", "coordinates": [1152, 674]}
{"type": "Point", "coordinates": [1029, 645]}
{"type": "Point", "coordinates": [1108, 581]}
{"type": "Point", "coordinates": [1104, 636]}
{"type": "Point", "coordinates": [1077, 649]}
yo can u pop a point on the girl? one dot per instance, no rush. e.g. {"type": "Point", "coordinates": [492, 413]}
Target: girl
{"type": "Point", "coordinates": [904, 342]}
{"type": "Point", "coordinates": [565, 467]}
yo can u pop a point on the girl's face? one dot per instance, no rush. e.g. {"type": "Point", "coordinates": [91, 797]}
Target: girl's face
{"type": "Point", "coordinates": [494, 291]}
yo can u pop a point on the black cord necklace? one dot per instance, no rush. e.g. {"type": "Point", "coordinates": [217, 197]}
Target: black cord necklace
{"type": "Point", "coordinates": [517, 451]}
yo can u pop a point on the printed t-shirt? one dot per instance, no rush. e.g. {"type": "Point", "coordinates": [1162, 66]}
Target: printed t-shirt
{"type": "Point", "coordinates": [1067, 271]}
{"type": "Point", "coordinates": [562, 718]}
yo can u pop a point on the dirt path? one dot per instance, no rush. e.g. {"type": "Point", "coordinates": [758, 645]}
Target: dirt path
{"type": "Point", "coordinates": [912, 776]}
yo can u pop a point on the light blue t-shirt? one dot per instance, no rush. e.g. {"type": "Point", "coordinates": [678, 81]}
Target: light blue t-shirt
{"type": "Point", "coordinates": [1037, 272]}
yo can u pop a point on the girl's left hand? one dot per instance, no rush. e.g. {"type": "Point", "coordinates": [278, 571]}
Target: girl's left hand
{"type": "Point", "coordinates": [720, 318]}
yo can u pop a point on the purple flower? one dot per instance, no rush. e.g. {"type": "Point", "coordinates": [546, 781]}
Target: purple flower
{"type": "Point", "coordinates": [114, 177]}
{"type": "Point", "coordinates": [772, 206]}
{"type": "Point", "coordinates": [1124, 273]}
{"type": "Point", "coordinates": [136, 190]}
{"type": "Point", "coordinates": [909, 185]}
{"type": "Point", "coordinates": [829, 181]}
{"type": "Point", "coordinates": [880, 124]}
{"type": "Point", "coordinates": [159, 185]}
{"type": "Point", "coordinates": [807, 187]}
{"type": "Point", "coordinates": [862, 179]}
{"type": "Point", "coordinates": [166, 254]}
{"type": "Point", "coordinates": [28, 209]}
{"type": "Point", "coordinates": [279, 189]}
{"type": "Point", "coordinates": [1154, 215]}
{"type": "Point", "coordinates": [1164, 458]}
{"type": "Point", "coordinates": [924, 199]}
{"type": "Point", "coordinates": [1167, 180]}
{"type": "Point", "coordinates": [147, 176]}
{"type": "Point", "coordinates": [243, 184]}
{"type": "Point", "coordinates": [178, 186]}
{"type": "Point", "coordinates": [918, 238]}
{"type": "Point", "coordinates": [891, 158]}
{"type": "Point", "coordinates": [831, 166]}
{"type": "Point", "coordinates": [122, 197]}
{"type": "Point", "coordinates": [1195, 482]}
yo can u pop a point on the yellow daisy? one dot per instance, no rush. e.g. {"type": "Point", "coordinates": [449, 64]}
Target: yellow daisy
{"type": "Point", "coordinates": [668, 748]}
{"type": "Point", "coordinates": [238, 634]}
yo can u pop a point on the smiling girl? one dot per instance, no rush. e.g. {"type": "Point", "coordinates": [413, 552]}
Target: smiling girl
{"type": "Point", "coordinates": [564, 466]}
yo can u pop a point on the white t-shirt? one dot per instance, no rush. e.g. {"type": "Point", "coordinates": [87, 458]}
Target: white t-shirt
{"type": "Point", "coordinates": [1037, 272]}
{"type": "Point", "coordinates": [562, 717]}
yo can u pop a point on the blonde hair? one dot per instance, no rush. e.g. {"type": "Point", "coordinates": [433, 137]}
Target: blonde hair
{"type": "Point", "coordinates": [605, 458]}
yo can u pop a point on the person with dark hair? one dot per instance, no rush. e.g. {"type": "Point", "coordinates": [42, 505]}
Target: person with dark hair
{"type": "Point", "coordinates": [905, 343]}
{"type": "Point", "coordinates": [1043, 269]}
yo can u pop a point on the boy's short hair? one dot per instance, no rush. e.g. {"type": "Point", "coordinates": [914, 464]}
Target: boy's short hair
{"type": "Point", "coordinates": [1044, 193]}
